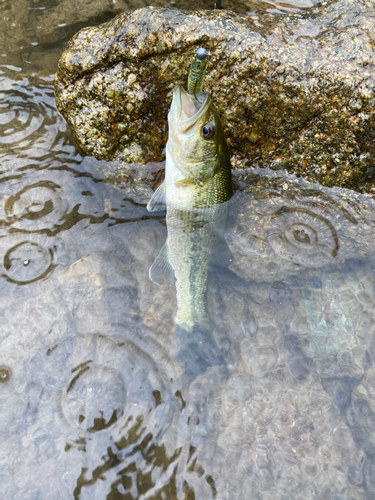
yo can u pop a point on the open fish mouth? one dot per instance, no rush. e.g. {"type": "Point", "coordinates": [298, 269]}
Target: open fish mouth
{"type": "Point", "coordinates": [186, 109]}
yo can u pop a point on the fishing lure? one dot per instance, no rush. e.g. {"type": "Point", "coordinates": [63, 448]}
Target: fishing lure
{"type": "Point", "coordinates": [196, 73]}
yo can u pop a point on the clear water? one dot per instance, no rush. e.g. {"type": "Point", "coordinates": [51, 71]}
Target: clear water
{"type": "Point", "coordinates": [95, 401]}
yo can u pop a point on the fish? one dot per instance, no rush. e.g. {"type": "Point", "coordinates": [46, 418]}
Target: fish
{"type": "Point", "coordinates": [196, 194]}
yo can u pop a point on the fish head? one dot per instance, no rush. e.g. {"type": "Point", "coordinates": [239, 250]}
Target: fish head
{"type": "Point", "coordinates": [196, 139]}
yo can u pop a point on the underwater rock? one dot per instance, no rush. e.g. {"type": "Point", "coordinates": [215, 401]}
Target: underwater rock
{"type": "Point", "coordinates": [295, 92]}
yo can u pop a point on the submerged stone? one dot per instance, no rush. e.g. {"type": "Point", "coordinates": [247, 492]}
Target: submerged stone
{"type": "Point", "coordinates": [295, 92]}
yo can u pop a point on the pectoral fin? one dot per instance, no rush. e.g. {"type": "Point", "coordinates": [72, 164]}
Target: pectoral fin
{"type": "Point", "coordinates": [161, 271]}
{"type": "Point", "coordinates": [158, 200]}
{"type": "Point", "coordinates": [199, 351]}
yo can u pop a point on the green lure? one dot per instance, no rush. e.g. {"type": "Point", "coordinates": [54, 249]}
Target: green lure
{"type": "Point", "coordinates": [196, 73]}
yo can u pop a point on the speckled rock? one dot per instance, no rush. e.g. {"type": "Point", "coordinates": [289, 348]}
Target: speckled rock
{"type": "Point", "coordinates": [295, 92]}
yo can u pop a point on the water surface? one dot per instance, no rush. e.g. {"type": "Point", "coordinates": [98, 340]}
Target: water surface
{"type": "Point", "coordinates": [95, 400]}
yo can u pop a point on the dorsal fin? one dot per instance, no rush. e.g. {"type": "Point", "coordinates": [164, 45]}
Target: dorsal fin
{"type": "Point", "coordinates": [161, 270]}
{"type": "Point", "coordinates": [158, 200]}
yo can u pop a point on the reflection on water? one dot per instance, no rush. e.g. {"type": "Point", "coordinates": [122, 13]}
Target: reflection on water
{"type": "Point", "coordinates": [34, 31]}
{"type": "Point", "coordinates": [95, 399]}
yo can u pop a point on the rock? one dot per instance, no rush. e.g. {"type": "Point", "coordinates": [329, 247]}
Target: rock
{"type": "Point", "coordinates": [295, 92]}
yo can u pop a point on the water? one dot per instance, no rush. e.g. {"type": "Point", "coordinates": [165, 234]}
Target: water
{"type": "Point", "coordinates": [95, 400]}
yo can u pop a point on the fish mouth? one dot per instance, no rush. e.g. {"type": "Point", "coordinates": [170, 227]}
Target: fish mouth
{"type": "Point", "coordinates": [186, 109]}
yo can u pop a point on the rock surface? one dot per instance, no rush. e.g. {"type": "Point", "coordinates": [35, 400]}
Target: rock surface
{"type": "Point", "coordinates": [295, 92]}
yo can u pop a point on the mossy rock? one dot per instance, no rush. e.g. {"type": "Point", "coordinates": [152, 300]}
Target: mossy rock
{"type": "Point", "coordinates": [295, 92]}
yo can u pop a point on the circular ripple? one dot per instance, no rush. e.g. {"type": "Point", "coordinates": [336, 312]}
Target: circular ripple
{"type": "Point", "coordinates": [95, 398]}
{"type": "Point", "coordinates": [110, 403]}
{"type": "Point", "coordinates": [27, 262]}
{"type": "Point", "coordinates": [19, 124]}
{"type": "Point", "coordinates": [28, 115]}
{"type": "Point", "coordinates": [303, 237]}
{"type": "Point", "coordinates": [251, 244]}
{"type": "Point", "coordinates": [98, 383]}
{"type": "Point", "coordinates": [35, 205]}
{"type": "Point", "coordinates": [5, 374]}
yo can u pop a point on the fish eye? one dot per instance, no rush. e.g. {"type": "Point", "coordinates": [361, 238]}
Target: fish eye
{"type": "Point", "coordinates": [208, 130]}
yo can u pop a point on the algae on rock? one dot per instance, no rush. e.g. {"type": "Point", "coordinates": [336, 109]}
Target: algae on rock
{"type": "Point", "coordinates": [295, 92]}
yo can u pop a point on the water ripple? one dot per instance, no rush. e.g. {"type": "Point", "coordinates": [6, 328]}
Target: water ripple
{"type": "Point", "coordinates": [25, 261]}
{"type": "Point", "coordinates": [33, 202]}
{"type": "Point", "coordinates": [300, 224]}
{"type": "Point", "coordinates": [302, 237]}
{"type": "Point", "coordinates": [29, 121]}
{"type": "Point", "coordinates": [96, 382]}
{"type": "Point", "coordinates": [5, 374]}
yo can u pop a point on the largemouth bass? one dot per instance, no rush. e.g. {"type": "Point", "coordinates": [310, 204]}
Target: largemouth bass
{"type": "Point", "coordinates": [195, 191]}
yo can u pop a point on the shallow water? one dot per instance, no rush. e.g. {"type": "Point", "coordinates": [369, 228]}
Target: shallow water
{"type": "Point", "coordinates": [97, 399]}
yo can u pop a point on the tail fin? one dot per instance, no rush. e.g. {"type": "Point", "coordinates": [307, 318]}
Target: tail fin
{"type": "Point", "coordinates": [198, 351]}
